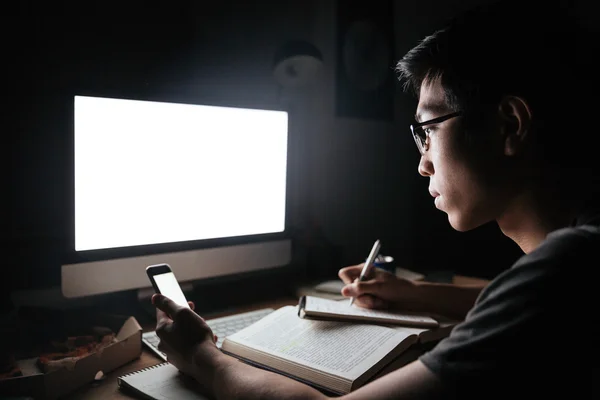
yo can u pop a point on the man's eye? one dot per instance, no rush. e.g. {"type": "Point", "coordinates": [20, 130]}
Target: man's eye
{"type": "Point", "coordinates": [427, 131]}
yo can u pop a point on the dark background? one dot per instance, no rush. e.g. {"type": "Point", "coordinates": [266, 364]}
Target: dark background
{"type": "Point", "coordinates": [354, 179]}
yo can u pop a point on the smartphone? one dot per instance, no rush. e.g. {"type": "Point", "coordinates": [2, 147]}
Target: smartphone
{"type": "Point", "coordinates": [164, 282]}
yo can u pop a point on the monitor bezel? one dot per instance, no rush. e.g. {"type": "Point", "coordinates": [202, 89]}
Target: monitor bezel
{"type": "Point", "coordinates": [72, 256]}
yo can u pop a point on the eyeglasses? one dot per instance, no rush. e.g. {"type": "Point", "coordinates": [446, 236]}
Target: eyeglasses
{"type": "Point", "coordinates": [421, 136]}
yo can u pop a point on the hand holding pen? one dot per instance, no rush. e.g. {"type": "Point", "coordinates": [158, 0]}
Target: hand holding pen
{"type": "Point", "coordinates": [366, 271]}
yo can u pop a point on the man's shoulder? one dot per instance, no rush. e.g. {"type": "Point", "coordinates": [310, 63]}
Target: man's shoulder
{"type": "Point", "coordinates": [523, 313]}
{"type": "Point", "coordinates": [563, 259]}
{"type": "Point", "coordinates": [565, 245]}
{"type": "Point", "coordinates": [580, 232]}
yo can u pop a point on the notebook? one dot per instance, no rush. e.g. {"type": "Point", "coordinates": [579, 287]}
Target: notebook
{"type": "Point", "coordinates": [320, 308]}
{"type": "Point", "coordinates": [160, 382]}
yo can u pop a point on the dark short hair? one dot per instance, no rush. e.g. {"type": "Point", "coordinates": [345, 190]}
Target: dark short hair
{"type": "Point", "coordinates": [540, 53]}
{"type": "Point", "coordinates": [502, 48]}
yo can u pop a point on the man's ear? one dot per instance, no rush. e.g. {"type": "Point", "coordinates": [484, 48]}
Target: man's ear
{"type": "Point", "coordinates": [515, 118]}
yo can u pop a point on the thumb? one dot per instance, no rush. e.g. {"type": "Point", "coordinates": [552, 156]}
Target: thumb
{"type": "Point", "coordinates": [165, 304]}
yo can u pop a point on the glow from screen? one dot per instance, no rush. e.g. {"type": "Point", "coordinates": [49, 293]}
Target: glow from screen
{"type": "Point", "coordinates": [154, 172]}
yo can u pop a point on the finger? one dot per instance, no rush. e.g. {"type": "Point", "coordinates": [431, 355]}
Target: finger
{"type": "Point", "coordinates": [369, 301]}
{"type": "Point", "coordinates": [349, 274]}
{"type": "Point", "coordinates": [161, 318]}
{"type": "Point", "coordinates": [192, 305]}
{"type": "Point", "coordinates": [161, 346]}
{"type": "Point", "coordinates": [164, 326]}
{"type": "Point", "coordinates": [165, 304]}
{"type": "Point", "coordinates": [358, 288]}
{"type": "Point", "coordinates": [164, 347]}
{"type": "Point", "coordinates": [349, 291]}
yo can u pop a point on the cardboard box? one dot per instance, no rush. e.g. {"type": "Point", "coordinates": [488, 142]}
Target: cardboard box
{"type": "Point", "coordinates": [52, 385]}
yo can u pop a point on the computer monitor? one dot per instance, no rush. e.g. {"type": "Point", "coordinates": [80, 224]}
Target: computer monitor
{"type": "Point", "coordinates": [198, 186]}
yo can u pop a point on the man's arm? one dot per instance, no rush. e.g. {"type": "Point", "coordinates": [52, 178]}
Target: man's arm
{"type": "Point", "coordinates": [233, 379]}
{"type": "Point", "coordinates": [414, 381]}
{"type": "Point", "coordinates": [452, 300]}
{"type": "Point", "coordinates": [385, 290]}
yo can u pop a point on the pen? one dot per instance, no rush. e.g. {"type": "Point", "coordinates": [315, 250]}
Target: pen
{"type": "Point", "coordinates": [368, 264]}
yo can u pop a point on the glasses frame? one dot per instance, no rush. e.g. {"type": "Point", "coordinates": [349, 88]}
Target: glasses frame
{"type": "Point", "coordinates": [418, 132]}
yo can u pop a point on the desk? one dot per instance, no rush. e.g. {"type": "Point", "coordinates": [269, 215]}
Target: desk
{"type": "Point", "coordinates": [107, 389]}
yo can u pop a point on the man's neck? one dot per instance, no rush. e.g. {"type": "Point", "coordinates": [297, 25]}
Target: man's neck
{"type": "Point", "coordinates": [530, 218]}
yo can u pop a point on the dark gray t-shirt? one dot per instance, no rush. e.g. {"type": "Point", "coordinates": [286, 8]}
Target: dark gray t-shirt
{"type": "Point", "coordinates": [535, 329]}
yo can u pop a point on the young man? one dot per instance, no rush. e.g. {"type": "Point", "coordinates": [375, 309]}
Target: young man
{"type": "Point", "coordinates": [505, 135]}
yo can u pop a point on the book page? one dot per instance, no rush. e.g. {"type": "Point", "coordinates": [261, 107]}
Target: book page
{"type": "Point", "coordinates": [338, 348]}
{"type": "Point", "coordinates": [342, 308]}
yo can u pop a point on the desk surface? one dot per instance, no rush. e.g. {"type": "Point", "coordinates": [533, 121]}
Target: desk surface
{"type": "Point", "coordinates": [107, 389]}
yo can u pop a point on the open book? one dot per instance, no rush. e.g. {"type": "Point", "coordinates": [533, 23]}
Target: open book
{"type": "Point", "coordinates": [313, 307]}
{"type": "Point", "coordinates": [336, 356]}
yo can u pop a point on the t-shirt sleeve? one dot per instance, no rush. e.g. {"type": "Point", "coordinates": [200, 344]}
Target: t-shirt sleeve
{"type": "Point", "coordinates": [523, 321]}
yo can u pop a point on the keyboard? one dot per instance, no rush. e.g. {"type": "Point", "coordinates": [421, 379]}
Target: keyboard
{"type": "Point", "coordinates": [222, 327]}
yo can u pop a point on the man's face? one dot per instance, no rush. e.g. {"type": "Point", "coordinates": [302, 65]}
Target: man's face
{"type": "Point", "coordinates": [464, 178]}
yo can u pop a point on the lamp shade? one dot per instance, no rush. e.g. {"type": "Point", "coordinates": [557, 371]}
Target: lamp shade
{"type": "Point", "coordinates": [296, 63]}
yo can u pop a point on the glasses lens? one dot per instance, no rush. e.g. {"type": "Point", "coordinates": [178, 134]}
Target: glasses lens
{"type": "Point", "coordinates": [420, 138]}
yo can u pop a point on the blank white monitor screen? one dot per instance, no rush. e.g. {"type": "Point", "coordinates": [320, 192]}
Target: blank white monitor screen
{"type": "Point", "coordinates": [155, 172]}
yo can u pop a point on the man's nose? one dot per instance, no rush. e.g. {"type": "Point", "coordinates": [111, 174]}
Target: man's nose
{"type": "Point", "coordinates": [425, 166]}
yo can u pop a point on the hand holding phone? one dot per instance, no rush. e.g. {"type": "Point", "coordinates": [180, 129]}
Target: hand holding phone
{"type": "Point", "coordinates": [164, 282]}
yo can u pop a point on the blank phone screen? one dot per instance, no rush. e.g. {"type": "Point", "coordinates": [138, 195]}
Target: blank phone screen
{"type": "Point", "coordinates": [168, 285]}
